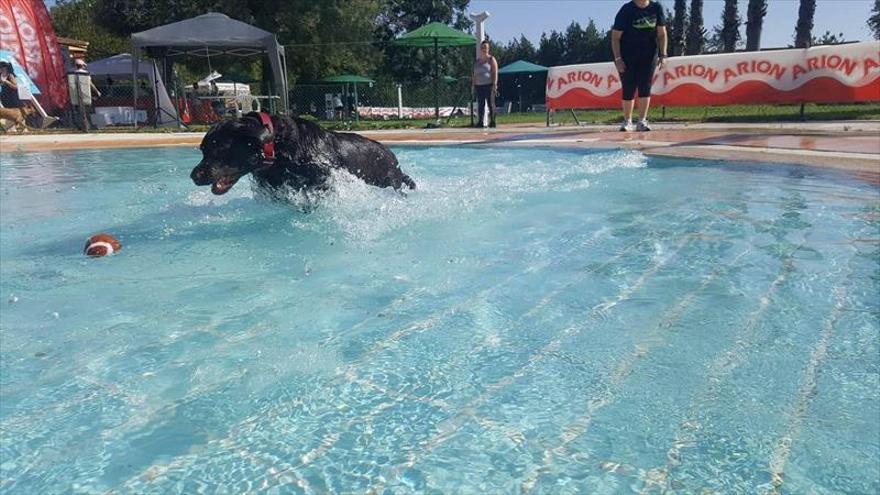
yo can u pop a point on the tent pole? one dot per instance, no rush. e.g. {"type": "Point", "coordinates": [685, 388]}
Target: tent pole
{"type": "Point", "coordinates": [356, 113]}
{"type": "Point", "coordinates": [156, 111]}
{"type": "Point", "coordinates": [135, 58]}
{"type": "Point", "coordinates": [436, 94]}
{"type": "Point", "coordinates": [173, 79]}
{"type": "Point", "coordinates": [519, 90]}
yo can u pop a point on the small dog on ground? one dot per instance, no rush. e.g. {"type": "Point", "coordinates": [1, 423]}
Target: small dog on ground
{"type": "Point", "coordinates": [297, 154]}
{"type": "Point", "coordinates": [14, 118]}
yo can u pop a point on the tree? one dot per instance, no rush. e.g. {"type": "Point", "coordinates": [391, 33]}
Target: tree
{"type": "Point", "coordinates": [315, 51]}
{"type": "Point", "coordinates": [730, 22]}
{"type": "Point", "coordinates": [678, 28]}
{"type": "Point", "coordinates": [521, 49]}
{"type": "Point", "coordinates": [406, 64]}
{"type": "Point", "coordinates": [498, 50]}
{"type": "Point", "coordinates": [803, 33]}
{"type": "Point", "coordinates": [124, 17]}
{"type": "Point", "coordinates": [74, 19]}
{"type": "Point", "coordinates": [828, 38]}
{"type": "Point", "coordinates": [594, 43]}
{"type": "Point", "coordinates": [582, 45]}
{"type": "Point", "coordinates": [551, 49]}
{"type": "Point", "coordinates": [399, 16]}
{"type": "Point", "coordinates": [696, 34]}
{"type": "Point", "coordinates": [874, 20]}
{"type": "Point", "coordinates": [755, 14]}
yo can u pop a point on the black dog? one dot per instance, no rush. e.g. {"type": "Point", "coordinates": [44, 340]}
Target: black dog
{"type": "Point", "coordinates": [293, 153]}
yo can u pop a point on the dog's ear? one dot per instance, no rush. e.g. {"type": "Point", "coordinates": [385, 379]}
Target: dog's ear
{"type": "Point", "coordinates": [226, 125]}
{"type": "Point", "coordinates": [265, 134]}
{"type": "Point", "coordinates": [256, 130]}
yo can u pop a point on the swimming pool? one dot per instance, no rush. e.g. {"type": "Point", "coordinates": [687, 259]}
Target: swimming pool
{"type": "Point", "coordinates": [529, 321]}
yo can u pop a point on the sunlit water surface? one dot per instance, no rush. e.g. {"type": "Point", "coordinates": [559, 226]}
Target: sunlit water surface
{"type": "Point", "coordinates": [527, 321]}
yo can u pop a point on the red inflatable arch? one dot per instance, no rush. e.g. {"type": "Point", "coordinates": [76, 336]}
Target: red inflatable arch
{"type": "Point", "coordinates": [26, 31]}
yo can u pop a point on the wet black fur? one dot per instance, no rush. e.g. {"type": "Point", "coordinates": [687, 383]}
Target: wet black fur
{"type": "Point", "coordinates": [305, 154]}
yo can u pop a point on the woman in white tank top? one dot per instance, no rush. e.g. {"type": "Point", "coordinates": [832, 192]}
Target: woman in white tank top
{"type": "Point", "coordinates": [485, 83]}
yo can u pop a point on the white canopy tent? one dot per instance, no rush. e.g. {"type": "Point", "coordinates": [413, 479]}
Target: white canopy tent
{"type": "Point", "coordinates": [119, 67]}
{"type": "Point", "coordinates": [214, 34]}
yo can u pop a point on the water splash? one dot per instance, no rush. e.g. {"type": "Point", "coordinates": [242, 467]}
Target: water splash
{"type": "Point", "coordinates": [363, 213]}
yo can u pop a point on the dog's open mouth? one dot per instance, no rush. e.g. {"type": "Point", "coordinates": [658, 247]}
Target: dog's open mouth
{"type": "Point", "coordinates": [223, 184]}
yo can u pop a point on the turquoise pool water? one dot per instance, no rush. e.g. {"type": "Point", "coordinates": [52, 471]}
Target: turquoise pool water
{"type": "Point", "coordinates": [528, 321]}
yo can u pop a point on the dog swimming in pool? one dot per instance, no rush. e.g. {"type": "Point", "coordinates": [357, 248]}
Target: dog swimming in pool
{"type": "Point", "coordinates": [290, 153]}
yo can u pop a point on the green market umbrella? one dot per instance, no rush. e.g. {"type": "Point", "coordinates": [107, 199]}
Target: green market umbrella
{"type": "Point", "coordinates": [349, 79]}
{"type": "Point", "coordinates": [435, 34]}
{"type": "Point", "coordinates": [521, 67]}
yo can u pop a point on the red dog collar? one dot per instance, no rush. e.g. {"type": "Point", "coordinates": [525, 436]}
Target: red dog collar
{"type": "Point", "coordinates": [269, 146]}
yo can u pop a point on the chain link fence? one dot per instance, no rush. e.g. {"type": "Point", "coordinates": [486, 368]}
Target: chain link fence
{"type": "Point", "coordinates": [385, 104]}
{"type": "Point", "coordinates": [102, 102]}
{"type": "Point", "coordinates": [382, 101]}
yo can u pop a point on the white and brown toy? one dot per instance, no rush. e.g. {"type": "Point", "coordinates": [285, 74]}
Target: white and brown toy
{"type": "Point", "coordinates": [102, 245]}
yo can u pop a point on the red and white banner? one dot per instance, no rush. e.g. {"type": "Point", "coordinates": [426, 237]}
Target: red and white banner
{"type": "Point", "coordinates": [26, 31]}
{"type": "Point", "coordinates": [830, 74]}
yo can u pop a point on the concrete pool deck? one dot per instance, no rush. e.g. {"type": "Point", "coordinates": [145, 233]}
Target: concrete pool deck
{"type": "Point", "coordinates": [850, 146]}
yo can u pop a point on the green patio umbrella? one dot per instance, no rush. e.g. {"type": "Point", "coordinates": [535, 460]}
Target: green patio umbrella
{"type": "Point", "coordinates": [349, 79]}
{"type": "Point", "coordinates": [435, 34]}
{"type": "Point", "coordinates": [521, 67]}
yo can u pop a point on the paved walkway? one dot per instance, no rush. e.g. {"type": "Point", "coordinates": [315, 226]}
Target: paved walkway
{"type": "Point", "coordinates": [850, 146]}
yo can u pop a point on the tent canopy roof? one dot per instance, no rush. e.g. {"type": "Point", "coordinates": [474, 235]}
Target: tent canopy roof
{"type": "Point", "coordinates": [207, 34]}
{"type": "Point", "coordinates": [120, 65]}
{"type": "Point", "coordinates": [521, 66]}
{"type": "Point", "coordinates": [214, 34]}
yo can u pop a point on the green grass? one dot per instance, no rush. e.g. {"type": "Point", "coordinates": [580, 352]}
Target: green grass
{"type": "Point", "coordinates": [736, 113]}
{"type": "Point", "coordinates": [732, 114]}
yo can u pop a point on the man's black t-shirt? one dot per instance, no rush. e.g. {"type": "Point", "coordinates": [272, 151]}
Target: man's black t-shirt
{"type": "Point", "coordinates": [639, 26]}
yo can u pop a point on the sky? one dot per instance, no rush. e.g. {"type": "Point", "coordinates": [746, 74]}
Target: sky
{"type": "Point", "coordinates": [511, 18]}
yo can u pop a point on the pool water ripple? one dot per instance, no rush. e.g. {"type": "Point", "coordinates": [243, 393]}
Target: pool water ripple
{"type": "Point", "coordinates": [527, 321]}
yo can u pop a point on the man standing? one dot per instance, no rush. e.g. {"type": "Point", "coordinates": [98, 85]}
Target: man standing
{"type": "Point", "coordinates": [81, 68]}
{"type": "Point", "coordinates": [638, 30]}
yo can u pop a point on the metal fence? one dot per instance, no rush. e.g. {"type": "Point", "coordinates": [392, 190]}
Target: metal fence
{"type": "Point", "coordinates": [377, 101]}
{"type": "Point", "coordinates": [111, 106]}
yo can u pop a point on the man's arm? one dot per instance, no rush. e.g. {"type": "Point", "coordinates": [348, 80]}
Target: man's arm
{"type": "Point", "coordinates": [494, 68]}
{"type": "Point", "coordinates": [615, 49]}
{"type": "Point", "coordinates": [661, 43]}
{"type": "Point", "coordinates": [94, 88]}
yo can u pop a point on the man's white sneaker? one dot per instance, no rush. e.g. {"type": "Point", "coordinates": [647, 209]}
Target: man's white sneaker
{"type": "Point", "coordinates": [626, 126]}
{"type": "Point", "coordinates": [643, 126]}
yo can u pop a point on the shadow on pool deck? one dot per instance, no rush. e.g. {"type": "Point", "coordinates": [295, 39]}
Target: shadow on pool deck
{"type": "Point", "coordinates": [850, 146]}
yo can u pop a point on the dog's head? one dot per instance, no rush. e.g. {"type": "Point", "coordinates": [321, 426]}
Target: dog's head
{"type": "Point", "coordinates": [231, 150]}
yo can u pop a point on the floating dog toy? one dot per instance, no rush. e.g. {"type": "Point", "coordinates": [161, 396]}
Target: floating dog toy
{"type": "Point", "coordinates": [102, 245]}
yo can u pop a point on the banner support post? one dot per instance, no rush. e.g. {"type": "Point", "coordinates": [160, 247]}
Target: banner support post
{"type": "Point", "coordinates": [480, 22]}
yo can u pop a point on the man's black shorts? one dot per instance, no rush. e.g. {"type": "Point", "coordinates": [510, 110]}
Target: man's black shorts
{"type": "Point", "coordinates": [638, 75]}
